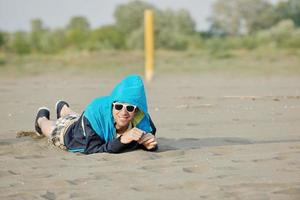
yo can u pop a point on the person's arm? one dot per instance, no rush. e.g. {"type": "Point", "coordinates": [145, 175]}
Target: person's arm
{"type": "Point", "coordinates": [118, 145]}
{"type": "Point", "coordinates": [149, 141]}
{"type": "Point", "coordinates": [96, 145]}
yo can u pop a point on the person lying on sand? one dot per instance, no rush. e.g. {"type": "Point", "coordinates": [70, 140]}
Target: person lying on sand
{"type": "Point", "coordinates": [116, 123]}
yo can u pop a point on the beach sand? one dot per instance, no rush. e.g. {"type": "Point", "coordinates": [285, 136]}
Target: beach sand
{"type": "Point", "coordinates": [220, 137]}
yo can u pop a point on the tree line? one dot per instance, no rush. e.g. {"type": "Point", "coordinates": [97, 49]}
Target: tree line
{"type": "Point", "coordinates": [234, 24]}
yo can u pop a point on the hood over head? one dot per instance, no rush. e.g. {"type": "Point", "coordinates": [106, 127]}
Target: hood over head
{"type": "Point", "coordinates": [99, 112]}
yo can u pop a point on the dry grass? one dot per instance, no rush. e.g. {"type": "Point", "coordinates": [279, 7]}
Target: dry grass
{"type": "Point", "coordinates": [259, 62]}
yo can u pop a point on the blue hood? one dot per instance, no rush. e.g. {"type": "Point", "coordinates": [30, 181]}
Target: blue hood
{"type": "Point", "coordinates": [99, 112]}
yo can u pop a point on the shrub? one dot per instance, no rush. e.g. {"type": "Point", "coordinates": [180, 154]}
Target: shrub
{"type": "Point", "coordinates": [107, 37]}
{"type": "Point", "coordinates": [20, 43]}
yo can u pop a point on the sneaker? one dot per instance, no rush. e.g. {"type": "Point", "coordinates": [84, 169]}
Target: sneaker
{"type": "Point", "coordinates": [58, 106]}
{"type": "Point", "coordinates": [42, 112]}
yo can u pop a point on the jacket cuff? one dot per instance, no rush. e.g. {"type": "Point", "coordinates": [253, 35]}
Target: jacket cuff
{"type": "Point", "coordinates": [117, 146]}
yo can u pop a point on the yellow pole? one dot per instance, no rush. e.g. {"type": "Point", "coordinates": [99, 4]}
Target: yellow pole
{"type": "Point", "coordinates": [149, 45]}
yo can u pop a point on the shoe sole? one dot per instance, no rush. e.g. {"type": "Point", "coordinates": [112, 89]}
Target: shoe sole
{"type": "Point", "coordinates": [37, 127]}
{"type": "Point", "coordinates": [56, 105]}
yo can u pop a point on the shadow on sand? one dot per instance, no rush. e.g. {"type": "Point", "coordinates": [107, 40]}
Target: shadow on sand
{"type": "Point", "coordinates": [167, 144]}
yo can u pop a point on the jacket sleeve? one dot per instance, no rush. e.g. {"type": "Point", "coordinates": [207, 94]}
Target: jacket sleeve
{"type": "Point", "coordinates": [96, 145]}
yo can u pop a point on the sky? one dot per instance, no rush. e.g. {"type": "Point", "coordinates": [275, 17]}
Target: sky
{"type": "Point", "coordinates": [16, 15]}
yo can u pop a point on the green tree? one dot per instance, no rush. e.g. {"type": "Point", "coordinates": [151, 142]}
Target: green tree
{"type": "Point", "coordinates": [289, 10]}
{"type": "Point", "coordinates": [282, 35]}
{"type": "Point", "coordinates": [177, 21]}
{"type": "Point", "coordinates": [106, 37]}
{"type": "Point", "coordinates": [235, 17]}
{"type": "Point", "coordinates": [257, 14]}
{"type": "Point", "coordinates": [78, 23]}
{"type": "Point", "coordinates": [37, 25]}
{"type": "Point", "coordinates": [36, 35]}
{"type": "Point", "coordinates": [226, 17]}
{"type": "Point", "coordinates": [130, 17]}
{"type": "Point", "coordinates": [285, 34]}
{"type": "Point", "coordinates": [53, 41]}
{"type": "Point", "coordinates": [78, 31]}
{"type": "Point", "coordinates": [136, 39]}
{"type": "Point", "coordinates": [20, 43]}
{"type": "Point", "coordinates": [185, 23]}
{"type": "Point", "coordinates": [2, 39]}
{"type": "Point", "coordinates": [174, 29]}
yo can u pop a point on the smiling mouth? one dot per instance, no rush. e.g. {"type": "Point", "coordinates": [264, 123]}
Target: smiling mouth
{"type": "Point", "coordinates": [123, 118]}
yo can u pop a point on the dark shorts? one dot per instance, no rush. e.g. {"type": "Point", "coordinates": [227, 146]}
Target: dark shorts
{"type": "Point", "coordinates": [61, 127]}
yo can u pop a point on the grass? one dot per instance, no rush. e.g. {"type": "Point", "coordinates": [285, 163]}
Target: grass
{"type": "Point", "coordinates": [242, 62]}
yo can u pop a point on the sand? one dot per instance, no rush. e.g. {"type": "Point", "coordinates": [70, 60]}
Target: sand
{"type": "Point", "coordinates": [220, 137]}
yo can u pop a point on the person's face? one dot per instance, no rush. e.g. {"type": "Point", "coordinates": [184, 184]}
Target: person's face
{"type": "Point", "coordinates": [123, 114]}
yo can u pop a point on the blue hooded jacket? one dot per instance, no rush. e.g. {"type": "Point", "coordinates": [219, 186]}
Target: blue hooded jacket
{"type": "Point", "coordinates": [99, 112]}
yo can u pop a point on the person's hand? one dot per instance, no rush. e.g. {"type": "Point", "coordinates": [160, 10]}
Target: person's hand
{"type": "Point", "coordinates": [148, 140]}
{"type": "Point", "coordinates": [133, 134]}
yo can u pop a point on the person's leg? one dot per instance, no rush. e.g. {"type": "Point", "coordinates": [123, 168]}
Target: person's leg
{"type": "Point", "coordinates": [67, 111]}
{"type": "Point", "coordinates": [46, 125]}
{"type": "Point", "coordinates": [63, 109]}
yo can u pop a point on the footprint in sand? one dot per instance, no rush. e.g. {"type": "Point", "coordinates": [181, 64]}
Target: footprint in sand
{"type": "Point", "coordinates": [13, 173]}
{"type": "Point", "coordinates": [72, 182]}
{"type": "Point", "coordinates": [29, 157]}
{"type": "Point", "coordinates": [195, 169]}
{"type": "Point", "coordinates": [77, 195]}
{"type": "Point", "coordinates": [290, 191]}
{"type": "Point", "coordinates": [225, 168]}
{"type": "Point", "coordinates": [49, 195]}
{"type": "Point", "coordinates": [218, 177]}
{"type": "Point", "coordinates": [238, 161]}
{"type": "Point", "coordinates": [4, 173]}
{"type": "Point", "coordinates": [280, 157]}
{"type": "Point", "coordinates": [157, 168]}
{"type": "Point", "coordinates": [174, 153]}
{"type": "Point", "coordinates": [79, 181]}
